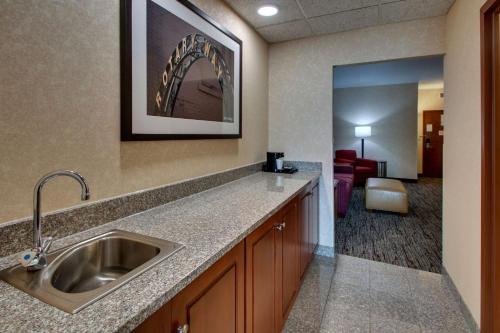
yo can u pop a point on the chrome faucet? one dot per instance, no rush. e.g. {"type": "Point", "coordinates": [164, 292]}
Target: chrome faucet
{"type": "Point", "coordinates": [36, 259]}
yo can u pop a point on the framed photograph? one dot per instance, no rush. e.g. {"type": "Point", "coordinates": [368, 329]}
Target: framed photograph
{"type": "Point", "coordinates": [181, 73]}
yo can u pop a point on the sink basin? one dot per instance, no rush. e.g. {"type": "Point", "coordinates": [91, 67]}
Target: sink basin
{"type": "Point", "coordinates": [100, 262]}
{"type": "Point", "coordinates": [80, 274]}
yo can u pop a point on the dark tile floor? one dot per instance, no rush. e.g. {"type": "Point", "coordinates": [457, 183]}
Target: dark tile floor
{"type": "Point", "coordinates": [358, 295]}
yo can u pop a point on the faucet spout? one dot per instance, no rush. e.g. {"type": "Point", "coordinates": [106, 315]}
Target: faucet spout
{"type": "Point", "coordinates": [40, 244]}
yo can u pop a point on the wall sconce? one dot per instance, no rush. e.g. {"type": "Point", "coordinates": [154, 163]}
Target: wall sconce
{"type": "Point", "coordinates": [362, 132]}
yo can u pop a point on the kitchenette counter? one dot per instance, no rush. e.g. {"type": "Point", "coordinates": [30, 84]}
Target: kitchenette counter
{"type": "Point", "coordinates": [208, 224]}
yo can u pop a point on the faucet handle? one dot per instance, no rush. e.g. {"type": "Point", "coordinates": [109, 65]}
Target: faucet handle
{"type": "Point", "coordinates": [29, 258]}
{"type": "Point", "coordinates": [35, 259]}
{"type": "Point", "coordinates": [46, 243]}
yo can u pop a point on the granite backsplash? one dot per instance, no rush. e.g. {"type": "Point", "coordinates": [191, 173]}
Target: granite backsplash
{"type": "Point", "coordinates": [16, 236]}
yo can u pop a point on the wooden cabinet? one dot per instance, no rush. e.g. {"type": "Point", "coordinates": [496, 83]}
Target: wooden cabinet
{"type": "Point", "coordinates": [314, 217]}
{"type": "Point", "coordinates": [272, 276]}
{"type": "Point", "coordinates": [263, 277]}
{"type": "Point", "coordinates": [159, 322]}
{"type": "Point", "coordinates": [308, 225]}
{"type": "Point", "coordinates": [214, 302]}
{"type": "Point", "coordinates": [290, 257]}
{"type": "Point", "coordinates": [252, 288]}
{"type": "Point", "coordinates": [303, 222]}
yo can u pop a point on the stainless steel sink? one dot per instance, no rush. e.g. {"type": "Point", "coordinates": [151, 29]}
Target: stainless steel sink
{"type": "Point", "coordinates": [78, 275]}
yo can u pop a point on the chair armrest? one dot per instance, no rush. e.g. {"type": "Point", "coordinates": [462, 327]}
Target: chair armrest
{"type": "Point", "coordinates": [343, 161]}
{"type": "Point", "coordinates": [367, 163]}
{"type": "Point", "coordinates": [343, 168]}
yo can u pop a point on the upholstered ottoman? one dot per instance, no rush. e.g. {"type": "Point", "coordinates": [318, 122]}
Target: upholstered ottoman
{"type": "Point", "coordinates": [386, 194]}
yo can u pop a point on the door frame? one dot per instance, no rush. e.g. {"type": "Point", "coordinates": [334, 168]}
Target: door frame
{"type": "Point", "coordinates": [424, 131]}
{"type": "Point", "coordinates": [490, 167]}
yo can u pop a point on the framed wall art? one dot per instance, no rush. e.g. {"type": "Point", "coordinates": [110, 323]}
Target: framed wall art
{"type": "Point", "coordinates": [181, 73]}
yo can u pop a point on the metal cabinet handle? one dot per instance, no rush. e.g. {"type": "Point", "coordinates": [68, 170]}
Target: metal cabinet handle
{"type": "Point", "coordinates": [183, 329]}
{"type": "Point", "coordinates": [280, 226]}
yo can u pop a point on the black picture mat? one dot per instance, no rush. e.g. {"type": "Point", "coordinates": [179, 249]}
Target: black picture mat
{"type": "Point", "coordinates": [126, 78]}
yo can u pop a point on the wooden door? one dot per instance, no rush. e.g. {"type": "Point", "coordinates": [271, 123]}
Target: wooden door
{"type": "Point", "coordinates": [433, 144]}
{"type": "Point", "coordinates": [314, 204]}
{"type": "Point", "coordinates": [303, 221]}
{"type": "Point", "coordinates": [290, 257]}
{"type": "Point", "coordinates": [263, 279]}
{"type": "Point", "coordinates": [490, 167]}
{"type": "Point", "coordinates": [159, 322]}
{"type": "Point", "coordinates": [215, 301]}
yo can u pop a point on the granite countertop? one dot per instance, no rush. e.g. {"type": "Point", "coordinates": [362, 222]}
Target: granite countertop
{"type": "Point", "coordinates": [208, 224]}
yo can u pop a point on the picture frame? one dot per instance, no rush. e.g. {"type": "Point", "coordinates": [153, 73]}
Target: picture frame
{"type": "Point", "coordinates": [181, 73]}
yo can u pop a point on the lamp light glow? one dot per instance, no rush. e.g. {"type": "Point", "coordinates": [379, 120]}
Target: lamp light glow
{"type": "Point", "coordinates": [267, 10]}
{"type": "Point", "coordinates": [362, 131]}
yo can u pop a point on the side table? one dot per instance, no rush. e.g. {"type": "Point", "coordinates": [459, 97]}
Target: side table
{"type": "Point", "coordinates": [382, 169]}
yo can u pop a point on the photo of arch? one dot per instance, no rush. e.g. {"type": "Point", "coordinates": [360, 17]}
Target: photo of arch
{"type": "Point", "coordinates": [184, 70]}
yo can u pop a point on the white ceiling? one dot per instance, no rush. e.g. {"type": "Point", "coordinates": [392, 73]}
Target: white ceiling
{"type": "Point", "coordinates": [306, 18]}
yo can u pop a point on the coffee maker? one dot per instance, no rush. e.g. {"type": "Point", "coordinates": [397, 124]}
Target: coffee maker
{"type": "Point", "coordinates": [272, 164]}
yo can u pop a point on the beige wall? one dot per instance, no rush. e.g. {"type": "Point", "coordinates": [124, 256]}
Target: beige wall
{"type": "Point", "coordinates": [428, 99]}
{"type": "Point", "coordinates": [60, 106]}
{"type": "Point", "coordinates": [462, 152]}
{"type": "Point", "coordinates": [300, 89]}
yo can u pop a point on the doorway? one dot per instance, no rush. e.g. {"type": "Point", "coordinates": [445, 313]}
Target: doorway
{"type": "Point", "coordinates": [378, 112]}
{"type": "Point", "coordinates": [433, 144]}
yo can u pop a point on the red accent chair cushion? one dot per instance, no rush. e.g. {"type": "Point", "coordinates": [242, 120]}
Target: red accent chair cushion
{"type": "Point", "coordinates": [344, 174]}
{"type": "Point", "coordinates": [363, 168]}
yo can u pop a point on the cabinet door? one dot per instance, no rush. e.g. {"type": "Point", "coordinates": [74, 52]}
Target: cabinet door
{"type": "Point", "coordinates": [159, 322]}
{"type": "Point", "coordinates": [304, 231]}
{"type": "Point", "coordinates": [290, 257]}
{"type": "Point", "coordinates": [314, 223]}
{"type": "Point", "coordinates": [263, 277]}
{"type": "Point", "coordinates": [214, 302]}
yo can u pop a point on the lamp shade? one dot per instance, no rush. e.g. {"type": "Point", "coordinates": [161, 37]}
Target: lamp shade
{"type": "Point", "coordinates": [362, 131]}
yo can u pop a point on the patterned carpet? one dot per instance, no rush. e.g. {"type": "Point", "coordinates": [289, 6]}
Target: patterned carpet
{"type": "Point", "coordinates": [412, 241]}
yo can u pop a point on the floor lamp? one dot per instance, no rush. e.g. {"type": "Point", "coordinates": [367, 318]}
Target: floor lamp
{"type": "Point", "coordinates": [362, 132]}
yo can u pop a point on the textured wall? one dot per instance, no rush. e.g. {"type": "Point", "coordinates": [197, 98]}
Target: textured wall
{"type": "Point", "coordinates": [462, 153]}
{"type": "Point", "coordinates": [301, 89]}
{"type": "Point", "coordinates": [391, 111]}
{"type": "Point", "coordinates": [428, 99]}
{"type": "Point", "coordinates": [60, 106]}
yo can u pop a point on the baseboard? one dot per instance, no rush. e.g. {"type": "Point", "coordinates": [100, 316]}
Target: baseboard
{"type": "Point", "coordinates": [469, 319]}
{"type": "Point", "coordinates": [404, 180]}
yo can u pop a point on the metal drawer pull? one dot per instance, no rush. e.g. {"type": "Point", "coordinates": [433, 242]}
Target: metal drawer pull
{"type": "Point", "coordinates": [280, 226]}
{"type": "Point", "coordinates": [183, 329]}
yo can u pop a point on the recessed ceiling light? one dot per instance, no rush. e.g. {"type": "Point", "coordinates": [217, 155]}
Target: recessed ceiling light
{"type": "Point", "coordinates": [267, 10]}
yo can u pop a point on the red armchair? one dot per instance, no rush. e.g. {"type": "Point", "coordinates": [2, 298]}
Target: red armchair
{"type": "Point", "coordinates": [363, 168]}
